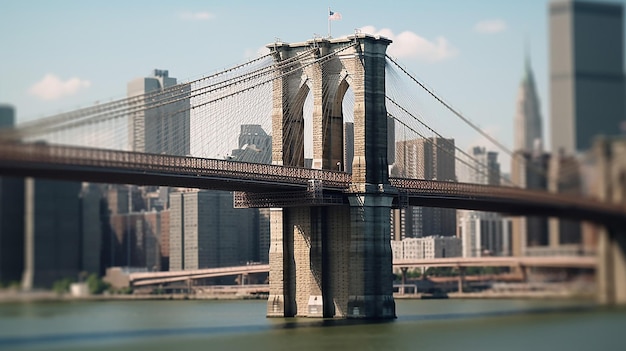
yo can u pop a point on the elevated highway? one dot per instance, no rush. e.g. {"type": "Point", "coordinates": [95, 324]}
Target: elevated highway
{"type": "Point", "coordinates": [590, 262]}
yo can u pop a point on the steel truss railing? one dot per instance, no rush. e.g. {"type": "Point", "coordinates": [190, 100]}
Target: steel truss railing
{"type": "Point", "coordinates": [41, 153]}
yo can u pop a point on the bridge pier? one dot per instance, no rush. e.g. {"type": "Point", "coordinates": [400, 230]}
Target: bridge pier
{"type": "Point", "coordinates": [371, 276]}
{"type": "Point", "coordinates": [308, 262]}
{"type": "Point", "coordinates": [610, 158]}
{"type": "Point", "coordinates": [333, 262]}
{"type": "Point", "coordinates": [281, 300]}
{"type": "Point", "coordinates": [611, 271]}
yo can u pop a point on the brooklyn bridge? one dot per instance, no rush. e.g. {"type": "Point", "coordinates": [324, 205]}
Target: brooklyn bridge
{"type": "Point", "coordinates": [330, 253]}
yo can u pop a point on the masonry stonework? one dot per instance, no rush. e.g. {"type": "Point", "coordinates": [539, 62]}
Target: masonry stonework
{"type": "Point", "coordinates": [333, 261]}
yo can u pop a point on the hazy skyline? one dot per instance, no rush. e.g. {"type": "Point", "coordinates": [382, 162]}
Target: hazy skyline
{"type": "Point", "coordinates": [60, 55]}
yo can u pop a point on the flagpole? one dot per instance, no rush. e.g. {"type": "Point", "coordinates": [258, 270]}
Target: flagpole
{"type": "Point", "coordinates": [328, 22]}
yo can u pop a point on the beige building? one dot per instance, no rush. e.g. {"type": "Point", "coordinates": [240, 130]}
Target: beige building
{"type": "Point", "coordinates": [159, 129]}
{"type": "Point", "coordinates": [426, 248]}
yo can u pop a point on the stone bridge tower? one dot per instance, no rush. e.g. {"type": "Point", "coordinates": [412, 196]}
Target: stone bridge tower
{"type": "Point", "coordinates": [333, 261]}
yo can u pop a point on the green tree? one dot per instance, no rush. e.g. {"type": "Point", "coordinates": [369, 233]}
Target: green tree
{"type": "Point", "coordinates": [62, 286]}
{"type": "Point", "coordinates": [96, 285]}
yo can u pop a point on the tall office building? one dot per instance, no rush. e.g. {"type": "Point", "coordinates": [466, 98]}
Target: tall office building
{"type": "Point", "coordinates": [528, 130]}
{"type": "Point", "coordinates": [206, 231]}
{"type": "Point", "coordinates": [483, 233]}
{"type": "Point", "coordinates": [586, 73]}
{"type": "Point", "coordinates": [482, 168]}
{"type": "Point", "coordinates": [52, 232]}
{"type": "Point", "coordinates": [7, 116]}
{"type": "Point", "coordinates": [255, 145]}
{"type": "Point", "coordinates": [160, 127]}
{"type": "Point", "coordinates": [137, 228]}
{"type": "Point", "coordinates": [431, 159]}
{"type": "Point", "coordinates": [91, 228]}
{"type": "Point", "coordinates": [11, 216]}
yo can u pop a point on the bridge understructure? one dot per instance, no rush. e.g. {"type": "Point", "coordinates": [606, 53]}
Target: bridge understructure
{"type": "Point", "coordinates": [333, 261]}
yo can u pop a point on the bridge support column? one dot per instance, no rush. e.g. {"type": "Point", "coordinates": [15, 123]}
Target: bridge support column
{"type": "Point", "coordinates": [611, 271]}
{"type": "Point", "coordinates": [299, 261]}
{"type": "Point", "coordinates": [403, 270]}
{"type": "Point", "coordinates": [309, 254]}
{"type": "Point", "coordinates": [371, 276]}
{"type": "Point", "coordinates": [337, 275]}
{"type": "Point", "coordinates": [610, 156]}
{"type": "Point", "coordinates": [461, 279]}
{"type": "Point", "coordinates": [281, 300]}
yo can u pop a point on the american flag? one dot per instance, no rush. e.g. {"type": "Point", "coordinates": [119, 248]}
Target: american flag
{"type": "Point", "coordinates": [334, 16]}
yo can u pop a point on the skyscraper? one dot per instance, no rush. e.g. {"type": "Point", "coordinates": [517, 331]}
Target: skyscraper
{"type": "Point", "coordinates": [11, 216]}
{"type": "Point", "coordinates": [483, 233]}
{"type": "Point", "coordinates": [163, 121]}
{"type": "Point", "coordinates": [7, 116]}
{"type": "Point", "coordinates": [485, 168]}
{"type": "Point", "coordinates": [430, 159]}
{"type": "Point", "coordinates": [527, 118]}
{"type": "Point", "coordinates": [586, 72]}
{"type": "Point", "coordinates": [91, 228]}
{"type": "Point", "coordinates": [52, 232]}
{"type": "Point", "coordinates": [206, 231]}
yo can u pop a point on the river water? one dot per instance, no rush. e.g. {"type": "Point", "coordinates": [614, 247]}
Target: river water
{"type": "Point", "coordinates": [241, 325]}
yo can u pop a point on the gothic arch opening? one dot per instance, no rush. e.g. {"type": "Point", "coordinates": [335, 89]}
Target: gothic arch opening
{"type": "Point", "coordinates": [294, 128]}
{"type": "Point", "coordinates": [344, 103]}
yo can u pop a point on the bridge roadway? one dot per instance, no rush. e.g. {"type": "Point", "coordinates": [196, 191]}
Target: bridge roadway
{"type": "Point", "coordinates": [590, 262]}
{"type": "Point", "coordinates": [283, 186]}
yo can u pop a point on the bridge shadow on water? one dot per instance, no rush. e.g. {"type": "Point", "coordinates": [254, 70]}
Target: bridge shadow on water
{"type": "Point", "coordinates": [76, 339]}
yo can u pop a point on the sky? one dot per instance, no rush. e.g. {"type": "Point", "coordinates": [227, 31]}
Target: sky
{"type": "Point", "coordinates": [64, 54]}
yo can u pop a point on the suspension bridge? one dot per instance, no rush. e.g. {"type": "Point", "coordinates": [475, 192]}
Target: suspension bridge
{"type": "Point", "coordinates": [330, 224]}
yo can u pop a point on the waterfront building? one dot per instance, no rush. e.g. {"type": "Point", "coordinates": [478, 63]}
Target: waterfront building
{"type": "Point", "coordinates": [426, 248]}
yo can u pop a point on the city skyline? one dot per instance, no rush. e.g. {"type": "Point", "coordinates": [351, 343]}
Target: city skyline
{"type": "Point", "coordinates": [479, 44]}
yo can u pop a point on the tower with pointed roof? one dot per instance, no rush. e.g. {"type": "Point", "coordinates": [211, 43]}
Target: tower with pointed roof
{"type": "Point", "coordinates": [528, 131]}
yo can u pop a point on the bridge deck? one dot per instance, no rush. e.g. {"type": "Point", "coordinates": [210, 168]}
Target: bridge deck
{"type": "Point", "coordinates": [111, 166]}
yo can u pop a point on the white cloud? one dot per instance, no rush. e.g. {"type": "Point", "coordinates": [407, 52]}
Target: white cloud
{"type": "Point", "coordinates": [490, 26]}
{"type": "Point", "coordinates": [196, 16]}
{"type": "Point", "coordinates": [407, 44]}
{"type": "Point", "coordinates": [51, 87]}
{"type": "Point", "coordinates": [251, 53]}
